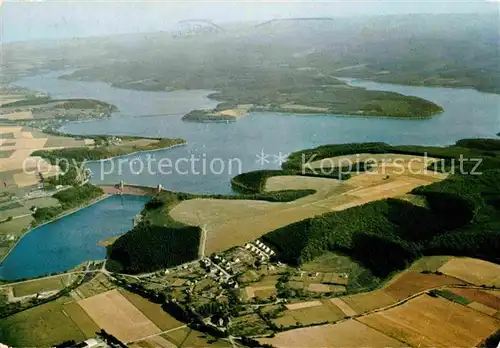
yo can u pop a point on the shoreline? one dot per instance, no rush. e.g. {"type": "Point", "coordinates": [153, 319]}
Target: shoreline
{"type": "Point", "coordinates": [291, 112]}
{"type": "Point", "coordinates": [62, 215]}
{"type": "Point", "coordinates": [287, 113]}
{"type": "Point", "coordinates": [138, 152]}
{"type": "Point", "coordinates": [312, 114]}
{"type": "Point", "coordinates": [449, 86]}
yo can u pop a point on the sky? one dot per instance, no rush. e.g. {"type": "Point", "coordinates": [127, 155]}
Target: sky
{"type": "Point", "coordinates": [50, 19]}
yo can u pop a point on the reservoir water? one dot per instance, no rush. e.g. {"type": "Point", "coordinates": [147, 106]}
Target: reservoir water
{"type": "Point", "coordinates": [67, 242]}
{"type": "Point", "coordinates": [222, 150]}
{"type": "Point", "coordinates": [467, 113]}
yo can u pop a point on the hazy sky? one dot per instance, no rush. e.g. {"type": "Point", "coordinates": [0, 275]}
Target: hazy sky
{"type": "Point", "coordinates": [30, 20]}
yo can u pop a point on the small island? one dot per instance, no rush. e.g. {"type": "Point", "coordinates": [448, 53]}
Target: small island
{"type": "Point", "coordinates": [335, 99]}
{"type": "Point", "coordinates": [222, 113]}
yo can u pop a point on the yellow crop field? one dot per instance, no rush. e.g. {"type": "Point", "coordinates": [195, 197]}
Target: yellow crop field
{"type": "Point", "coordinates": [26, 169]}
{"type": "Point", "coordinates": [474, 271]}
{"type": "Point", "coordinates": [115, 314]}
{"type": "Point", "coordinates": [365, 302]}
{"type": "Point", "coordinates": [41, 285]}
{"type": "Point", "coordinates": [349, 333]}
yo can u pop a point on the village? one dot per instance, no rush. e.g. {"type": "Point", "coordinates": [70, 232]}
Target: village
{"type": "Point", "coordinates": [245, 297]}
{"type": "Point", "coordinates": [239, 292]}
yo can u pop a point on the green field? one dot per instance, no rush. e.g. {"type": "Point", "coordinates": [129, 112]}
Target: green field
{"type": "Point", "coordinates": [80, 154]}
{"type": "Point", "coordinates": [6, 154]}
{"type": "Point", "coordinates": [451, 296]}
{"type": "Point", "coordinates": [42, 202]}
{"type": "Point", "coordinates": [37, 286]}
{"type": "Point", "coordinates": [152, 311]}
{"type": "Point", "coordinates": [41, 326]}
{"type": "Point", "coordinates": [16, 226]}
{"type": "Point", "coordinates": [360, 278]}
{"type": "Point", "coordinates": [87, 326]}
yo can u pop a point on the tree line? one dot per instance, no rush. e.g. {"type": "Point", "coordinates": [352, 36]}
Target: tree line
{"type": "Point", "coordinates": [70, 198]}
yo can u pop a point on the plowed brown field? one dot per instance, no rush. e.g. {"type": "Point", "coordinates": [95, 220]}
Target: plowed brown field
{"type": "Point", "coordinates": [411, 282]}
{"type": "Point", "coordinates": [433, 322]}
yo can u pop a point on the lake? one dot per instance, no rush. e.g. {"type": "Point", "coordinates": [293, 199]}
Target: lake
{"type": "Point", "coordinates": [468, 113]}
{"type": "Point", "coordinates": [216, 152]}
{"type": "Point", "coordinates": [67, 242]}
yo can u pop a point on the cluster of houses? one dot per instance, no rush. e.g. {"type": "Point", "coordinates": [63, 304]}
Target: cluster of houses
{"type": "Point", "coordinates": [222, 268]}
{"type": "Point", "coordinates": [262, 251]}
{"type": "Point", "coordinates": [115, 141]}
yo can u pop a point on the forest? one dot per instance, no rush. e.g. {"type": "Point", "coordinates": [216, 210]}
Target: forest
{"type": "Point", "coordinates": [462, 217]}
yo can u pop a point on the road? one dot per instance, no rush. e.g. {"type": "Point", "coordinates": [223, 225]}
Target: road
{"type": "Point", "coordinates": [203, 241]}
{"type": "Point", "coordinates": [222, 270]}
{"type": "Point", "coordinates": [157, 334]}
{"type": "Point", "coordinates": [58, 275]}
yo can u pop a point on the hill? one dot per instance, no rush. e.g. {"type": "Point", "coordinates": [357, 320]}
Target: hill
{"type": "Point", "coordinates": [462, 216]}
